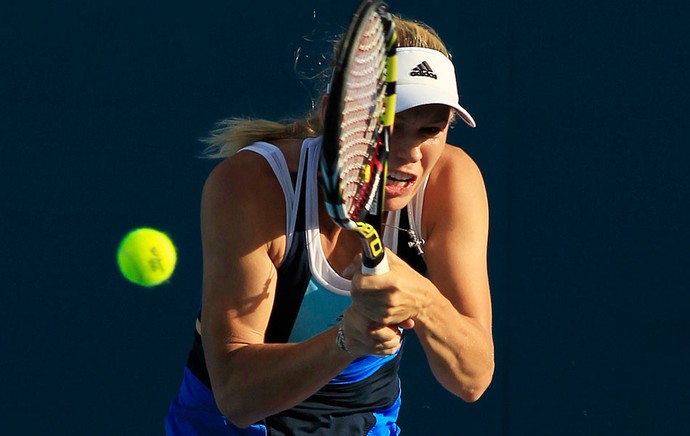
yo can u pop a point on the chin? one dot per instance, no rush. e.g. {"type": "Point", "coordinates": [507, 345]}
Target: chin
{"type": "Point", "coordinates": [398, 197]}
{"type": "Point", "coordinates": [396, 203]}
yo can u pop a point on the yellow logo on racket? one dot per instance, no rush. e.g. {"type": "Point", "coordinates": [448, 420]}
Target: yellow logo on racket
{"type": "Point", "coordinates": [368, 231]}
{"type": "Point", "coordinates": [366, 173]}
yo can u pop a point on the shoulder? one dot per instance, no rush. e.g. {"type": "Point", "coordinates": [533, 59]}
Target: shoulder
{"type": "Point", "coordinates": [456, 193]}
{"type": "Point", "coordinates": [236, 197]}
{"type": "Point", "coordinates": [249, 169]}
{"type": "Point", "coordinates": [455, 162]}
{"type": "Point", "coordinates": [456, 173]}
{"type": "Point", "coordinates": [230, 179]}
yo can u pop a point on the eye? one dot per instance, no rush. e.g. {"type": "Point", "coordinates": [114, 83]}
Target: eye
{"type": "Point", "coordinates": [430, 131]}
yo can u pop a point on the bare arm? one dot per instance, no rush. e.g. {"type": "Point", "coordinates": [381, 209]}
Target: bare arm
{"type": "Point", "coordinates": [451, 310]}
{"type": "Point", "coordinates": [241, 244]}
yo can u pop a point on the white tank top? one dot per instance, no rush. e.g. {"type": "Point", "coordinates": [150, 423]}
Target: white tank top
{"type": "Point", "coordinates": [328, 294]}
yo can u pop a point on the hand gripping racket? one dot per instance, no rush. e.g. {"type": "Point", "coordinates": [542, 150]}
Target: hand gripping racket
{"type": "Point", "coordinates": [357, 122]}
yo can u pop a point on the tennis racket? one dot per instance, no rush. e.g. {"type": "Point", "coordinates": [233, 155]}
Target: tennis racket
{"type": "Point", "coordinates": [357, 122]}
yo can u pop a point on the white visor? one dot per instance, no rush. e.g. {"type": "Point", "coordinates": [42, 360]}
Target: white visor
{"type": "Point", "coordinates": [427, 76]}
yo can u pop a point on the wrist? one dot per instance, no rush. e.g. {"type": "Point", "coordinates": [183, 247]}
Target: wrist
{"type": "Point", "coordinates": [430, 302]}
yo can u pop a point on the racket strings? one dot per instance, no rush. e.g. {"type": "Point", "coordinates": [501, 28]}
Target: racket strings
{"type": "Point", "coordinates": [360, 127]}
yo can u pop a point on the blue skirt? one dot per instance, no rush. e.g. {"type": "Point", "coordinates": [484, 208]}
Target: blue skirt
{"type": "Point", "coordinates": [194, 412]}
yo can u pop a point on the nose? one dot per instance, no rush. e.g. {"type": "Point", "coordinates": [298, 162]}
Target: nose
{"type": "Point", "coordinates": [407, 151]}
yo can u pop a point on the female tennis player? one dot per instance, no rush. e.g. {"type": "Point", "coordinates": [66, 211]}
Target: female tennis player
{"type": "Point", "coordinates": [291, 337]}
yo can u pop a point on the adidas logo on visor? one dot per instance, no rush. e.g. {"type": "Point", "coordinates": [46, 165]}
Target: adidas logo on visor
{"type": "Point", "coordinates": [423, 70]}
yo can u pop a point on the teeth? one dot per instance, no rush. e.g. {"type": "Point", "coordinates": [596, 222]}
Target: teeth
{"type": "Point", "coordinates": [399, 177]}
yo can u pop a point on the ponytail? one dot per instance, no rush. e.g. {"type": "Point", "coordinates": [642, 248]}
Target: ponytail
{"type": "Point", "coordinates": [233, 134]}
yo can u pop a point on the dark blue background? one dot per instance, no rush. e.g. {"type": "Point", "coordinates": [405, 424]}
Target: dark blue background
{"type": "Point", "coordinates": [582, 139]}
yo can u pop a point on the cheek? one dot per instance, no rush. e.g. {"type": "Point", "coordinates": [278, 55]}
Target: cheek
{"type": "Point", "coordinates": [431, 154]}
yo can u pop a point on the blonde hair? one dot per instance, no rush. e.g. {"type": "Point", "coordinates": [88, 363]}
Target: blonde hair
{"type": "Point", "coordinates": [417, 34]}
{"type": "Point", "coordinates": [233, 134]}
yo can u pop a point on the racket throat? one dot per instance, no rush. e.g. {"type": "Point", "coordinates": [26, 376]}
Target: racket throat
{"type": "Point", "coordinates": [372, 245]}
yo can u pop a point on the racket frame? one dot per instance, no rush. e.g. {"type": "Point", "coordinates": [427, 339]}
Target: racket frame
{"type": "Point", "coordinates": [368, 222]}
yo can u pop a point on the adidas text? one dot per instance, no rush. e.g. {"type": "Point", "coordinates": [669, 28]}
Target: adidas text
{"type": "Point", "coordinates": [423, 70]}
{"type": "Point", "coordinates": [423, 74]}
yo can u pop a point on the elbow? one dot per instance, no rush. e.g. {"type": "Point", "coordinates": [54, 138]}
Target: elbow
{"type": "Point", "coordinates": [468, 385]}
{"type": "Point", "coordinates": [236, 417]}
{"type": "Point", "coordinates": [235, 411]}
{"type": "Point", "coordinates": [472, 394]}
{"type": "Point", "coordinates": [232, 392]}
{"type": "Point", "coordinates": [476, 387]}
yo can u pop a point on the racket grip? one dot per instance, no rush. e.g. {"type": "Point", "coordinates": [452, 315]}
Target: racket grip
{"type": "Point", "coordinates": [379, 268]}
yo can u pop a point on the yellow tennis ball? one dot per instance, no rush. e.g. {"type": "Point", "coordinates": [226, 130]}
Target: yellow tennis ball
{"type": "Point", "coordinates": [146, 257]}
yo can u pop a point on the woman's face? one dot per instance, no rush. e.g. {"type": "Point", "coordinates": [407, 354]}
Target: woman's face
{"type": "Point", "coordinates": [418, 139]}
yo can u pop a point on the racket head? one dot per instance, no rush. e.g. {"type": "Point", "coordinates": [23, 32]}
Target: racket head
{"type": "Point", "coordinates": [357, 121]}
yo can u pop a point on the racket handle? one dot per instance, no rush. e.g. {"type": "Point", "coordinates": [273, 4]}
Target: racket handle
{"type": "Point", "coordinates": [379, 268]}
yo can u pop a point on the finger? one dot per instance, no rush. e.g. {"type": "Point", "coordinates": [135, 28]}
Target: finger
{"type": "Point", "coordinates": [389, 347]}
{"type": "Point", "coordinates": [407, 324]}
{"type": "Point", "coordinates": [386, 337]}
{"type": "Point", "coordinates": [370, 345]}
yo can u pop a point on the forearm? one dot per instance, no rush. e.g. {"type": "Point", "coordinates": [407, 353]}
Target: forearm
{"type": "Point", "coordinates": [258, 380]}
{"type": "Point", "coordinates": [458, 348]}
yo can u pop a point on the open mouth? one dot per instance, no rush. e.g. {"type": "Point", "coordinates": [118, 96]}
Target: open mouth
{"type": "Point", "coordinates": [399, 180]}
